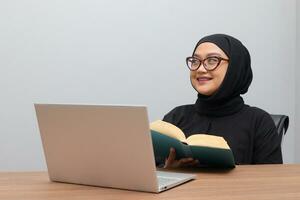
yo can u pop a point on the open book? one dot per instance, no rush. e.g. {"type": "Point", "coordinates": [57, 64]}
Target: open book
{"type": "Point", "coordinates": [210, 150]}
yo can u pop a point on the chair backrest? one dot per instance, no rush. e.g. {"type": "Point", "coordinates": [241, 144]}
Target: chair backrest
{"type": "Point", "coordinates": [281, 123]}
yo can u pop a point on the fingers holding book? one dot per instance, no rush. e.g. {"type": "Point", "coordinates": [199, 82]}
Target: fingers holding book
{"type": "Point", "coordinates": [171, 161]}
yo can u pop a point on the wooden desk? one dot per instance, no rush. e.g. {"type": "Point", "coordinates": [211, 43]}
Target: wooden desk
{"type": "Point", "coordinates": [244, 182]}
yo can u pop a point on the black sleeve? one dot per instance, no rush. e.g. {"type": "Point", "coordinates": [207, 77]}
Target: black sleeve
{"type": "Point", "coordinates": [267, 144]}
{"type": "Point", "coordinates": [171, 117]}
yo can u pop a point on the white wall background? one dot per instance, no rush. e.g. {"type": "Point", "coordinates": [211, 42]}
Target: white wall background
{"type": "Point", "coordinates": [297, 77]}
{"type": "Point", "coordinates": [131, 52]}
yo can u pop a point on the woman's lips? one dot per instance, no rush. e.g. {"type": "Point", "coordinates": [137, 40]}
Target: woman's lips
{"type": "Point", "coordinates": [203, 80]}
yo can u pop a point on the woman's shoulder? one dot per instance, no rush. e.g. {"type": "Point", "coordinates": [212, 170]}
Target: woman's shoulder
{"type": "Point", "coordinates": [260, 115]}
{"type": "Point", "coordinates": [179, 112]}
{"type": "Point", "coordinates": [256, 111]}
{"type": "Point", "coordinates": [183, 108]}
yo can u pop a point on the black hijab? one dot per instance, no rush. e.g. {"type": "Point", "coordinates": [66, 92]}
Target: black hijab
{"type": "Point", "coordinates": [227, 100]}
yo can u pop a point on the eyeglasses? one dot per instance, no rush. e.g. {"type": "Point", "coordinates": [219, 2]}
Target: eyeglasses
{"type": "Point", "coordinates": [209, 63]}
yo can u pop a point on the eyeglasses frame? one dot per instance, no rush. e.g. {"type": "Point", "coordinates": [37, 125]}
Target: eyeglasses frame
{"type": "Point", "coordinates": [201, 62]}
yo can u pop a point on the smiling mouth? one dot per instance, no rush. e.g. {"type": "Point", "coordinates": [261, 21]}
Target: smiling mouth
{"type": "Point", "coordinates": [203, 79]}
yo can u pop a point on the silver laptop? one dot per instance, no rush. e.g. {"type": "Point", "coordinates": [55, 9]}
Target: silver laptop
{"type": "Point", "coordinates": [102, 145]}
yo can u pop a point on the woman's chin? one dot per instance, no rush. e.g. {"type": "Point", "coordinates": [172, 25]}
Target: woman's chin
{"type": "Point", "coordinates": [204, 91]}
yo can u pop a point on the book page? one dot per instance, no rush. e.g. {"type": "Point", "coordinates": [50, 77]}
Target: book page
{"type": "Point", "coordinates": [207, 141]}
{"type": "Point", "coordinates": [168, 129]}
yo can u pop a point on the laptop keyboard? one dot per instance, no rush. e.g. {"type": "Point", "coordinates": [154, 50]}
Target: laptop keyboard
{"type": "Point", "coordinates": [162, 180]}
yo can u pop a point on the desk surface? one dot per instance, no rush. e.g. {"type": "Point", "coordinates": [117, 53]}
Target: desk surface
{"type": "Point", "coordinates": [243, 182]}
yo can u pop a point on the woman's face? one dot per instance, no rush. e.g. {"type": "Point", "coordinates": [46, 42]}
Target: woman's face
{"type": "Point", "coordinates": [208, 82]}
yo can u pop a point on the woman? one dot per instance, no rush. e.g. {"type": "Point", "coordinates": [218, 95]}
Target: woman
{"type": "Point", "coordinates": [220, 71]}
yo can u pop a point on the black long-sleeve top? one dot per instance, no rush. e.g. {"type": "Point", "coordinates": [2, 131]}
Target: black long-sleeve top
{"type": "Point", "coordinates": [250, 132]}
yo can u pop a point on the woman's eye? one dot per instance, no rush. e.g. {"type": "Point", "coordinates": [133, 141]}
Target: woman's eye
{"type": "Point", "coordinates": [194, 61]}
{"type": "Point", "coordinates": [212, 60]}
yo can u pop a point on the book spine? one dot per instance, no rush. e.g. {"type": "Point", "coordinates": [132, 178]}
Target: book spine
{"type": "Point", "coordinates": [162, 145]}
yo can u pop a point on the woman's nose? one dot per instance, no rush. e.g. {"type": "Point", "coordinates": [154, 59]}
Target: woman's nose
{"type": "Point", "coordinates": [201, 68]}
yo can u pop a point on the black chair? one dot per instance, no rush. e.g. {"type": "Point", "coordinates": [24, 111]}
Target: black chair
{"type": "Point", "coordinates": [281, 123]}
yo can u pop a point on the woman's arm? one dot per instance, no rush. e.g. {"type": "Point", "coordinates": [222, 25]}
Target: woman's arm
{"type": "Point", "coordinates": [267, 144]}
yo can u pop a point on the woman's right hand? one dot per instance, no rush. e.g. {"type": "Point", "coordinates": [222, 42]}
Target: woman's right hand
{"type": "Point", "coordinates": [171, 161]}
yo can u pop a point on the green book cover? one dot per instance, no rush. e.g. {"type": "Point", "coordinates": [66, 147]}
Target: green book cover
{"type": "Point", "coordinates": [164, 138]}
{"type": "Point", "coordinates": [162, 144]}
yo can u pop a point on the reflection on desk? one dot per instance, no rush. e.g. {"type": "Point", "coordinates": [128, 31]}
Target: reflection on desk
{"type": "Point", "coordinates": [243, 182]}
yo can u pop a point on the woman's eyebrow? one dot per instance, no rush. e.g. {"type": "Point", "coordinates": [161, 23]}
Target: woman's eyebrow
{"type": "Point", "coordinates": [207, 55]}
{"type": "Point", "coordinates": [213, 54]}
